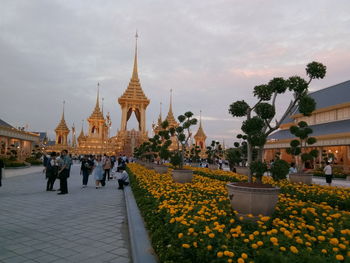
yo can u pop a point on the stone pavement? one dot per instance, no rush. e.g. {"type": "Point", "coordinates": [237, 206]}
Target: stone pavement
{"type": "Point", "coordinates": [87, 225]}
{"type": "Point", "coordinates": [22, 171]}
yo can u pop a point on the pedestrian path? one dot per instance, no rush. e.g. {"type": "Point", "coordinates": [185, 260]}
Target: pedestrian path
{"type": "Point", "coordinates": [22, 171]}
{"type": "Point", "coordinates": [87, 225]}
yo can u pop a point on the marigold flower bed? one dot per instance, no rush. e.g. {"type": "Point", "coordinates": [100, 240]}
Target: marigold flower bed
{"type": "Point", "coordinates": [195, 223]}
{"type": "Point", "coordinates": [337, 197]}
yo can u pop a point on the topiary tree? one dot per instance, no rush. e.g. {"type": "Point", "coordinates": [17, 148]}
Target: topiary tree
{"type": "Point", "coordinates": [258, 123]}
{"type": "Point", "coordinates": [298, 146]}
{"type": "Point", "coordinates": [182, 134]}
{"type": "Point", "coordinates": [233, 156]}
{"type": "Point", "coordinates": [214, 151]}
{"type": "Point", "coordinates": [279, 169]}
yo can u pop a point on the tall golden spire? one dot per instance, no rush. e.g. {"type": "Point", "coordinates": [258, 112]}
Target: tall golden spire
{"type": "Point", "coordinates": [97, 114]}
{"type": "Point", "coordinates": [170, 117]}
{"type": "Point", "coordinates": [135, 75]}
{"type": "Point", "coordinates": [81, 135]}
{"type": "Point", "coordinates": [62, 126]}
{"type": "Point", "coordinates": [160, 114]}
{"type": "Point", "coordinates": [200, 133]}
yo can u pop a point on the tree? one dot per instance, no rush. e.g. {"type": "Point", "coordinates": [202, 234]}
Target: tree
{"type": "Point", "coordinates": [182, 134]}
{"type": "Point", "coordinates": [298, 146]}
{"type": "Point", "coordinates": [233, 156]}
{"type": "Point", "coordinates": [214, 151]}
{"type": "Point", "coordinates": [258, 123]}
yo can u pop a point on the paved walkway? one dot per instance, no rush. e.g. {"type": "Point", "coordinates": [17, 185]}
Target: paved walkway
{"type": "Point", "coordinates": [22, 171]}
{"type": "Point", "coordinates": [87, 225]}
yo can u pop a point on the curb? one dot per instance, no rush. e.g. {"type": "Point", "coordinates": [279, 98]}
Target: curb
{"type": "Point", "coordinates": [141, 248]}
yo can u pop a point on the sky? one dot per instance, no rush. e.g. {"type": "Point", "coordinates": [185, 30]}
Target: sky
{"type": "Point", "coordinates": [210, 53]}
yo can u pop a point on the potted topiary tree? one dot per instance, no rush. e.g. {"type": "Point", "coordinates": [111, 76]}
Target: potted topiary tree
{"type": "Point", "coordinates": [182, 134]}
{"type": "Point", "coordinates": [162, 142]}
{"type": "Point", "coordinates": [253, 197]}
{"type": "Point", "coordinates": [214, 152]}
{"type": "Point", "coordinates": [298, 149]}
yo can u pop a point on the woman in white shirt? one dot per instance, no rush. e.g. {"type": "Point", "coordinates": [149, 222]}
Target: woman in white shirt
{"type": "Point", "coordinates": [329, 173]}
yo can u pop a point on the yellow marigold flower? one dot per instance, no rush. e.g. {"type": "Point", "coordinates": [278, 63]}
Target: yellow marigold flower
{"type": "Point", "coordinates": [256, 233]}
{"type": "Point", "coordinates": [191, 230]}
{"type": "Point", "coordinates": [246, 240]}
{"type": "Point", "coordinates": [339, 257]}
{"type": "Point", "coordinates": [260, 243]}
{"type": "Point", "coordinates": [226, 253]}
{"type": "Point", "coordinates": [342, 246]}
{"type": "Point", "coordinates": [229, 260]}
{"type": "Point", "coordinates": [265, 218]}
{"type": "Point", "coordinates": [321, 238]}
{"type": "Point", "coordinates": [209, 247]}
{"type": "Point", "coordinates": [219, 254]}
{"type": "Point", "coordinates": [255, 246]}
{"type": "Point", "coordinates": [335, 249]}
{"type": "Point", "coordinates": [180, 235]}
{"type": "Point", "coordinates": [334, 241]}
{"type": "Point", "coordinates": [324, 251]}
{"type": "Point", "coordinates": [211, 235]}
{"type": "Point", "coordinates": [308, 244]}
{"type": "Point", "coordinates": [244, 255]}
{"type": "Point", "coordinates": [273, 239]}
{"type": "Point", "coordinates": [232, 221]}
{"type": "Point", "coordinates": [195, 244]}
{"type": "Point", "coordinates": [240, 260]}
{"type": "Point", "coordinates": [282, 248]}
{"type": "Point", "coordinates": [186, 245]}
{"type": "Point", "coordinates": [293, 249]}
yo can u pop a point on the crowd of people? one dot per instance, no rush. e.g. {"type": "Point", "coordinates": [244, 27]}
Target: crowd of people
{"type": "Point", "coordinates": [102, 168]}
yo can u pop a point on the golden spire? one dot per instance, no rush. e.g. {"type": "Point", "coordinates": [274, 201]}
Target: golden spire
{"type": "Point", "coordinates": [97, 114]}
{"type": "Point", "coordinates": [135, 75]}
{"type": "Point", "coordinates": [62, 126]}
{"type": "Point", "coordinates": [200, 133]}
{"type": "Point", "coordinates": [81, 135]}
{"type": "Point", "coordinates": [160, 114]}
{"type": "Point", "coordinates": [170, 117]}
{"type": "Point", "coordinates": [134, 90]}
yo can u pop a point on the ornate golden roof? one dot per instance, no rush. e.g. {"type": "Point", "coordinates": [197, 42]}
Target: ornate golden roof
{"type": "Point", "coordinates": [97, 114]}
{"type": "Point", "coordinates": [170, 117]}
{"type": "Point", "coordinates": [81, 135]}
{"type": "Point", "coordinates": [134, 90]}
{"type": "Point", "coordinates": [200, 133]}
{"type": "Point", "coordinates": [62, 126]}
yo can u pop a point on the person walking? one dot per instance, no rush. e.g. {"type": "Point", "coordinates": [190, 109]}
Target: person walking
{"type": "Point", "coordinates": [328, 171]}
{"type": "Point", "coordinates": [63, 173]}
{"type": "Point", "coordinates": [2, 165]}
{"type": "Point", "coordinates": [98, 171]}
{"type": "Point", "coordinates": [86, 168]}
{"type": "Point", "coordinates": [51, 171]}
{"type": "Point", "coordinates": [106, 168]}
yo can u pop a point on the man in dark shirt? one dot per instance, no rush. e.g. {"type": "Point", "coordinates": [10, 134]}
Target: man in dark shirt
{"type": "Point", "coordinates": [86, 168]}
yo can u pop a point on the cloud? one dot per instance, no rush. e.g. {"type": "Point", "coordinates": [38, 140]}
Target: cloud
{"type": "Point", "coordinates": [210, 53]}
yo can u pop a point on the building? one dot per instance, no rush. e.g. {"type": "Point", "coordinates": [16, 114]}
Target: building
{"type": "Point", "coordinates": [21, 141]}
{"type": "Point", "coordinates": [132, 101]}
{"type": "Point", "coordinates": [330, 123]}
{"type": "Point", "coordinates": [200, 138]}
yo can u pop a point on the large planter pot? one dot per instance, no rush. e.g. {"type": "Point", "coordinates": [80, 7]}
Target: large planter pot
{"type": "Point", "coordinates": [242, 170]}
{"type": "Point", "coordinates": [161, 169]}
{"type": "Point", "coordinates": [253, 199]}
{"type": "Point", "coordinates": [300, 178]}
{"type": "Point", "coordinates": [182, 176]}
{"type": "Point", "coordinates": [348, 178]}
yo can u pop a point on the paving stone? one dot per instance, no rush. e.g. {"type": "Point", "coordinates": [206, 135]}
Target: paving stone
{"type": "Point", "coordinates": [83, 226]}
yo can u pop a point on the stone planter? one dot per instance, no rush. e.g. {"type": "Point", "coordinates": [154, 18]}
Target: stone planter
{"type": "Point", "coordinates": [182, 176]}
{"type": "Point", "coordinates": [242, 170]}
{"type": "Point", "coordinates": [161, 169]}
{"type": "Point", "coordinates": [300, 178]}
{"type": "Point", "coordinates": [348, 178]}
{"type": "Point", "coordinates": [248, 199]}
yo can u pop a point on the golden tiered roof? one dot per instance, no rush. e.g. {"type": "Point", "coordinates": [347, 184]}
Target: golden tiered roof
{"type": "Point", "coordinates": [97, 114]}
{"type": "Point", "coordinates": [81, 135]}
{"type": "Point", "coordinates": [62, 126]}
{"type": "Point", "coordinates": [170, 117]}
{"type": "Point", "coordinates": [200, 133]}
{"type": "Point", "coordinates": [134, 90]}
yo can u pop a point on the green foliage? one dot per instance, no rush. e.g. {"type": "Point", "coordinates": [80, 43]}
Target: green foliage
{"type": "Point", "coordinates": [265, 111]}
{"type": "Point", "coordinates": [307, 105]}
{"type": "Point", "coordinates": [233, 156]}
{"type": "Point", "coordinates": [238, 108]}
{"type": "Point", "coordinates": [279, 170]}
{"type": "Point", "coordinates": [297, 84]}
{"type": "Point", "coordinates": [258, 168]}
{"type": "Point", "coordinates": [257, 139]}
{"type": "Point", "coordinates": [278, 85]}
{"type": "Point", "coordinates": [253, 125]}
{"type": "Point", "coordinates": [263, 92]}
{"type": "Point", "coordinates": [316, 70]}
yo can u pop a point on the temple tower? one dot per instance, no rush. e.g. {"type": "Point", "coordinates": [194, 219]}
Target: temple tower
{"type": "Point", "coordinates": [97, 123]}
{"type": "Point", "coordinates": [62, 131]}
{"type": "Point", "coordinates": [134, 100]}
{"type": "Point", "coordinates": [170, 116]}
{"type": "Point", "coordinates": [200, 137]}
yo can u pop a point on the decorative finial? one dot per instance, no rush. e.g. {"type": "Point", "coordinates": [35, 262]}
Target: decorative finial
{"type": "Point", "coordinates": [102, 104]}
{"type": "Point", "coordinates": [171, 100]}
{"type": "Point", "coordinates": [64, 102]}
{"type": "Point", "coordinates": [135, 76]}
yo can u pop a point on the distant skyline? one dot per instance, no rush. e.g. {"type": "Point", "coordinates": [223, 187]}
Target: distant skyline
{"type": "Point", "coordinates": [210, 53]}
